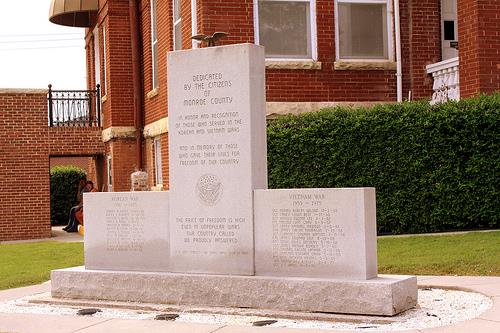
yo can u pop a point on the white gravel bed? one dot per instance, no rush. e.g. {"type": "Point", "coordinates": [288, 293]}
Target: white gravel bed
{"type": "Point", "coordinates": [437, 307]}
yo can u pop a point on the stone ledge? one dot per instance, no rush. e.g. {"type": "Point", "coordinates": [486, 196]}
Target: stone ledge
{"type": "Point", "coordinates": [293, 64]}
{"type": "Point", "coordinates": [364, 65]}
{"type": "Point", "coordinates": [275, 109]}
{"type": "Point", "coordinates": [156, 128]}
{"type": "Point", "coordinates": [23, 91]}
{"type": "Point", "coordinates": [152, 93]}
{"type": "Point", "coordinates": [118, 132]}
{"type": "Point", "coordinates": [385, 295]}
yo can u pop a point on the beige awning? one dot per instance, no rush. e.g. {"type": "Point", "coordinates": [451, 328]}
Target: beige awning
{"type": "Point", "coordinates": [74, 13]}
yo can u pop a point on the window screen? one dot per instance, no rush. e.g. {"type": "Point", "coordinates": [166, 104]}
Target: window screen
{"type": "Point", "coordinates": [285, 28]}
{"type": "Point", "coordinates": [362, 30]}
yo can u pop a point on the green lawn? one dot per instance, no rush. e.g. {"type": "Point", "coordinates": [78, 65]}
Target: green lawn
{"type": "Point", "coordinates": [30, 263]}
{"type": "Point", "coordinates": [475, 253]}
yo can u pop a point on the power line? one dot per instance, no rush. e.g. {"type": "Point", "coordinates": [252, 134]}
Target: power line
{"type": "Point", "coordinates": [40, 48]}
{"type": "Point", "coordinates": [40, 40]}
{"type": "Point", "coordinates": [51, 34]}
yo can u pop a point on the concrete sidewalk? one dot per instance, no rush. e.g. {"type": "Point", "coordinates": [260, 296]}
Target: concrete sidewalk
{"type": "Point", "coordinates": [488, 322]}
{"type": "Point", "coordinates": [58, 235]}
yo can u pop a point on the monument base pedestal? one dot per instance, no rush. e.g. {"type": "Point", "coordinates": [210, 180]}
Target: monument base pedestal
{"type": "Point", "coordinates": [385, 295]}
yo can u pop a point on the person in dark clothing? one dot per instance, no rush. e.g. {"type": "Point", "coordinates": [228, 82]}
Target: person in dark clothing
{"type": "Point", "coordinates": [71, 226]}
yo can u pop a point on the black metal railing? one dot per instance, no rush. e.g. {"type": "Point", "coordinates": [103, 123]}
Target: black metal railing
{"type": "Point", "coordinates": [74, 108]}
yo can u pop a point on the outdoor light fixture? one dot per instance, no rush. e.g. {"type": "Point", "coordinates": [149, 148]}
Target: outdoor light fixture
{"type": "Point", "coordinates": [73, 13]}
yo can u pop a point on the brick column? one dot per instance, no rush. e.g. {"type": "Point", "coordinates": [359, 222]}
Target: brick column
{"type": "Point", "coordinates": [24, 165]}
{"type": "Point", "coordinates": [479, 46]}
{"type": "Point", "coordinates": [425, 44]}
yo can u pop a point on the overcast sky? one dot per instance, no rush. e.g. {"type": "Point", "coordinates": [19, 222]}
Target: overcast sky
{"type": "Point", "coordinates": [35, 52]}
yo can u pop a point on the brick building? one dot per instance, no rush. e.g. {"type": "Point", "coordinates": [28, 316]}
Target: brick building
{"type": "Point", "coordinates": [27, 146]}
{"type": "Point", "coordinates": [318, 53]}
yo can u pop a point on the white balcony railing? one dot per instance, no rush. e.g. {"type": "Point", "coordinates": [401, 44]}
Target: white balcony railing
{"type": "Point", "coordinates": [446, 81]}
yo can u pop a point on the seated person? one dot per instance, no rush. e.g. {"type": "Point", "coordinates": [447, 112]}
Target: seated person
{"type": "Point", "coordinates": [78, 209]}
{"type": "Point", "coordinates": [79, 213]}
{"type": "Point", "coordinates": [79, 198]}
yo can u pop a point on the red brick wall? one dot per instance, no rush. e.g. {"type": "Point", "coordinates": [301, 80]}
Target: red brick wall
{"type": "Point", "coordinates": [149, 160]}
{"type": "Point", "coordinates": [24, 204]}
{"type": "Point", "coordinates": [232, 16]}
{"type": "Point", "coordinates": [123, 163]}
{"type": "Point", "coordinates": [479, 46]}
{"type": "Point", "coordinates": [165, 157]}
{"type": "Point", "coordinates": [25, 148]}
{"type": "Point", "coordinates": [424, 45]}
{"type": "Point", "coordinates": [405, 16]}
{"type": "Point", "coordinates": [187, 31]}
{"type": "Point", "coordinates": [156, 107]}
{"type": "Point", "coordinates": [120, 108]}
{"type": "Point", "coordinates": [79, 162]}
{"type": "Point", "coordinates": [64, 141]}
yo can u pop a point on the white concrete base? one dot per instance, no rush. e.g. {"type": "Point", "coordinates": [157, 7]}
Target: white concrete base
{"type": "Point", "coordinates": [385, 295]}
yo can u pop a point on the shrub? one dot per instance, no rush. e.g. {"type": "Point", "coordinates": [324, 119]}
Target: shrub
{"type": "Point", "coordinates": [435, 168]}
{"type": "Point", "coordinates": [63, 189]}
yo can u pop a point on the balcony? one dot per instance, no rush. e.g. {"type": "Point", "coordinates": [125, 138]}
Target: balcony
{"type": "Point", "coordinates": [446, 81]}
{"type": "Point", "coordinates": [74, 108]}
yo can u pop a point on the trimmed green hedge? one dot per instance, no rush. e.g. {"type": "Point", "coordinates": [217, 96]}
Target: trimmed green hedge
{"type": "Point", "coordinates": [435, 168]}
{"type": "Point", "coordinates": [63, 188]}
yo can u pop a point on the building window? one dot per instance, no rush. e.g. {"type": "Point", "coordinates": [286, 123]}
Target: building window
{"type": "Point", "coordinates": [103, 86]}
{"type": "Point", "coordinates": [154, 45]}
{"type": "Point", "coordinates": [157, 156]}
{"type": "Point", "coordinates": [362, 29]}
{"type": "Point", "coordinates": [97, 57]}
{"type": "Point", "coordinates": [177, 25]}
{"type": "Point", "coordinates": [286, 28]}
{"type": "Point", "coordinates": [109, 172]}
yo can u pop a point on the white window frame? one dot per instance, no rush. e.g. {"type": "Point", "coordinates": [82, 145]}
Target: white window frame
{"type": "Point", "coordinates": [110, 173]}
{"type": "Point", "coordinates": [176, 22]}
{"type": "Point", "coordinates": [104, 55]}
{"type": "Point", "coordinates": [154, 42]}
{"type": "Point", "coordinates": [194, 23]}
{"type": "Point", "coordinates": [97, 57]}
{"type": "Point", "coordinates": [390, 33]}
{"type": "Point", "coordinates": [312, 20]}
{"type": "Point", "coordinates": [157, 159]}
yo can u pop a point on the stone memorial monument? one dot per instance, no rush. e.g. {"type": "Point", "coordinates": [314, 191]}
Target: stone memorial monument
{"type": "Point", "coordinates": [219, 237]}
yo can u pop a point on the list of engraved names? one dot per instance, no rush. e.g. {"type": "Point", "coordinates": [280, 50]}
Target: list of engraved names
{"type": "Point", "coordinates": [124, 224]}
{"type": "Point", "coordinates": [305, 233]}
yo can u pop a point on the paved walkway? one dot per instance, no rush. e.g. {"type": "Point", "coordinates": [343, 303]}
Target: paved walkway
{"type": "Point", "coordinates": [58, 235]}
{"type": "Point", "coordinates": [488, 322]}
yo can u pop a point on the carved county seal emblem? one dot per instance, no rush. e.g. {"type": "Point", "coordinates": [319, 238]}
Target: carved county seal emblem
{"type": "Point", "coordinates": [209, 189]}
